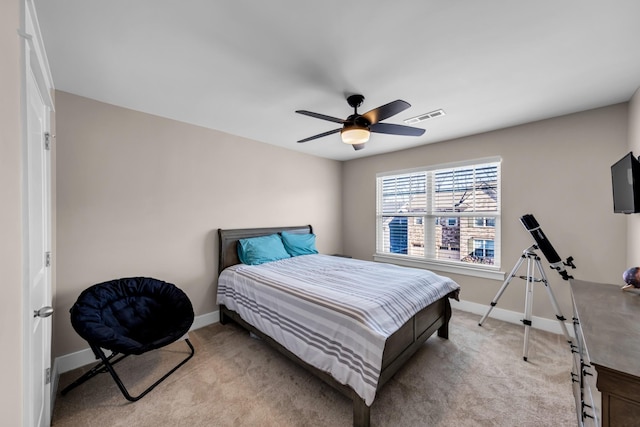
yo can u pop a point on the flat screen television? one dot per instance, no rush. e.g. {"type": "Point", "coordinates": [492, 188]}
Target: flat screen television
{"type": "Point", "coordinates": [625, 178]}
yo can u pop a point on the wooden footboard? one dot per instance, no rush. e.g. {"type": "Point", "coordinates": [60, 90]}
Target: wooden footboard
{"type": "Point", "coordinates": [407, 340]}
{"type": "Point", "coordinates": [398, 349]}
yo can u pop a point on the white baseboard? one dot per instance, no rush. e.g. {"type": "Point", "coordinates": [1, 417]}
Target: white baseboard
{"type": "Point", "coordinates": [541, 323]}
{"type": "Point", "coordinates": [80, 358]}
{"type": "Point", "coordinates": [69, 362]}
{"type": "Point", "coordinates": [205, 320]}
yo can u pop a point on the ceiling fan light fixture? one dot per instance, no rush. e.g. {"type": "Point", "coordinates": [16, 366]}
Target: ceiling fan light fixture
{"type": "Point", "coordinates": [357, 128]}
{"type": "Point", "coordinates": [354, 134]}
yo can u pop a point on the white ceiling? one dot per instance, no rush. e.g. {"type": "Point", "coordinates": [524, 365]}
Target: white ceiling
{"type": "Point", "coordinates": [244, 67]}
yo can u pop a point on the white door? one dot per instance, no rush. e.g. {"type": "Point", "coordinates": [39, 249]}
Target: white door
{"type": "Point", "coordinates": [37, 232]}
{"type": "Point", "coordinates": [38, 258]}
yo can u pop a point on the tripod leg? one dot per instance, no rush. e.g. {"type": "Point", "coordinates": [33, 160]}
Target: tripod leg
{"type": "Point", "coordinates": [554, 304]}
{"type": "Point", "coordinates": [528, 305]}
{"type": "Point", "coordinates": [502, 289]}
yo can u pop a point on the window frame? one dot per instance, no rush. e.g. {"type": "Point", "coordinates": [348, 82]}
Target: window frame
{"type": "Point", "coordinates": [430, 217]}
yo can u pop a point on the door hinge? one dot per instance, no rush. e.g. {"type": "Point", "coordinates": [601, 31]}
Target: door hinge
{"type": "Point", "coordinates": [47, 141]}
{"type": "Point", "coordinates": [47, 259]}
{"type": "Point", "coordinates": [47, 376]}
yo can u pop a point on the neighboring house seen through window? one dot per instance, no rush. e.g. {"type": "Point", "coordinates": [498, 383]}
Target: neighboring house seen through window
{"type": "Point", "coordinates": [447, 214]}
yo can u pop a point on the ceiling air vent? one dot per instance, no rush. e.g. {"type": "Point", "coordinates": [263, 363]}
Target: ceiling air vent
{"type": "Point", "coordinates": [423, 117]}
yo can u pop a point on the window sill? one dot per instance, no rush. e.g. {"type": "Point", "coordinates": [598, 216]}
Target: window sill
{"type": "Point", "coordinates": [484, 272]}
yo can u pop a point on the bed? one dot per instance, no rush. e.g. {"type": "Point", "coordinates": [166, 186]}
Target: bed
{"type": "Point", "coordinates": [357, 376]}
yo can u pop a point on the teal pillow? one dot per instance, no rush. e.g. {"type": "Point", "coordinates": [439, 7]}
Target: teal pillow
{"type": "Point", "coordinates": [299, 244]}
{"type": "Point", "coordinates": [258, 250]}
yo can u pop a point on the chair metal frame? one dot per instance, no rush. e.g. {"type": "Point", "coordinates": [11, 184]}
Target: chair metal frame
{"type": "Point", "coordinates": [106, 365]}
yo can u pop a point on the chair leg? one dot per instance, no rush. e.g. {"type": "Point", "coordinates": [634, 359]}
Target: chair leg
{"type": "Point", "coordinates": [107, 366]}
{"type": "Point", "coordinates": [100, 368]}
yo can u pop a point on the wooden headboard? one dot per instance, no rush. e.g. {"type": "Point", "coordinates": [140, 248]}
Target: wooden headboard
{"type": "Point", "coordinates": [228, 241]}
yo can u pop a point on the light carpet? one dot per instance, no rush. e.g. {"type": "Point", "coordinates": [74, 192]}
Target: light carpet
{"type": "Point", "coordinates": [476, 378]}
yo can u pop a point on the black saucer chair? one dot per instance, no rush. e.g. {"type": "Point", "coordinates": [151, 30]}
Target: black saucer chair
{"type": "Point", "coordinates": [130, 316]}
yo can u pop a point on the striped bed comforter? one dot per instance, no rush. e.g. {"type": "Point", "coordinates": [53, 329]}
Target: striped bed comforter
{"type": "Point", "coordinates": [334, 313]}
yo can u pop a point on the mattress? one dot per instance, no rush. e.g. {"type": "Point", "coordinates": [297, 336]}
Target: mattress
{"type": "Point", "coordinates": [334, 313]}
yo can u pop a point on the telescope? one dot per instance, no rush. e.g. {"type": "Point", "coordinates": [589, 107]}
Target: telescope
{"type": "Point", "coordinates": [533, 262]}
{"type": "Point", "coordinates": [531, 225]}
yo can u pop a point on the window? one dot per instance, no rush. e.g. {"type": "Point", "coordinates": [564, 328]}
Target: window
{"type": "Point", "coordinates": [485, 222]}
{"type": "Point", "coordinates": [482, 249]}
{"type": "Point", "coordinates": [449, 215]}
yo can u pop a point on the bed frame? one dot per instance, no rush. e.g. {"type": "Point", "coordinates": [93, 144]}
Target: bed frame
{"type": "Point", "coordinates": [398, 349]}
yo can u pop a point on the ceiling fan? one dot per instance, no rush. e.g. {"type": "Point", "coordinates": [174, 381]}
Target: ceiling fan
{"type": "Point", "coordinates": [357, 127]}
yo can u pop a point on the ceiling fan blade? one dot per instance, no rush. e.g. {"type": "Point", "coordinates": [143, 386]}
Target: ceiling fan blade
{"type": "Point", "coordinates": [385, 111]}
{"type": "Point", "coordinates": [358, 146]}
{"type": "Point", "coordinates": [392, 129]}
{"type": "Point", "coordinates": [320, 135]}
{"type": "Point", "coordinates": [320, 116]}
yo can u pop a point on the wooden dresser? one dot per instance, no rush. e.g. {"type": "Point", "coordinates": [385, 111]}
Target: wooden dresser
{"type": "Point", "coordinates": [606, 371]}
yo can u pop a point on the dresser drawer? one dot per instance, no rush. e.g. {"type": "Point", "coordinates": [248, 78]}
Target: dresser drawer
{"type": "Point", "coordinates": [620, 404]}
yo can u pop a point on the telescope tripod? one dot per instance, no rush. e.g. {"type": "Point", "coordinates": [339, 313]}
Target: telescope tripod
{"type": "Point", "coordinates": [533, 262]}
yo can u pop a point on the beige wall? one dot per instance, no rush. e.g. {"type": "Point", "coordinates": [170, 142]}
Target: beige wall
{"type": "Point", "coordinates": [11, 364]}
{"type": "Point", "coordinates": [633, 221]}
{"type": "Point", "coordinates": [141, 195]}
{"type": "Point", "coordinates": [557, 169]}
